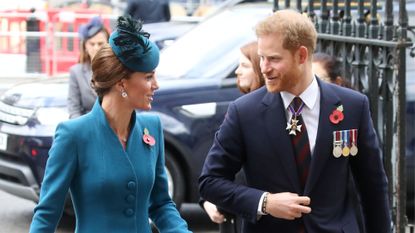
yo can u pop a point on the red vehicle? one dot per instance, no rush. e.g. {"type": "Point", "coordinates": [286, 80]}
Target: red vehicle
{"type": "Point", "coordinates": [46, 40]}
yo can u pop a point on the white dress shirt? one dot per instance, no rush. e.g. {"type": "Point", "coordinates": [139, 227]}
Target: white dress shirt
{"type": "Point", "coordinates": [311, 110]}
{"type": "Point", "coordinates": [310, 114]}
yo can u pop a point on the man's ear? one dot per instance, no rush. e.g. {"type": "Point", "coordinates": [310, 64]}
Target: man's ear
{"type": "Point", "coordinates": [303, 54]}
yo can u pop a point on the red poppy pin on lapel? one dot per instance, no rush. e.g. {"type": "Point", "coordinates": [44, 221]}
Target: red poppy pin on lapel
{"type": "Point", "coordinates": [337, 115]}
{"type": "Point", "coordinates": [148, 139]}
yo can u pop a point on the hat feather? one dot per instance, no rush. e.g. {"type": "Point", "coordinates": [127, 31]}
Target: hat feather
{"type": "Point", "coordinates": [131, 38]}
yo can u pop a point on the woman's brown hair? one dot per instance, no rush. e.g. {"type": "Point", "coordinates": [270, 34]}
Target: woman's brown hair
{"type": "Point", "coordinates": [250, 51]}
{"type": "Point", "coordinates": [333, 68]}
{"type": "Point", "coordinates": [107, 70]}
{"type": "Point", "coordinates": [83, 55]}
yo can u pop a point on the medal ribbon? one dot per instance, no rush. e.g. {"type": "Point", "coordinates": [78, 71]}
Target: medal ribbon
{"type": "Point", "coordinates": [337, 136]}
{"type": "Point", "coordinates": [345, 138]}
{"type": "Point", "coordinates": [298, 112]}
{"type": "Point", "coordinates": [354, 136]}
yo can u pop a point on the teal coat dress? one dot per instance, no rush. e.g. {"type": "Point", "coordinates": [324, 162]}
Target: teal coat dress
{"type": "Point", "coordinates": [113, 190]}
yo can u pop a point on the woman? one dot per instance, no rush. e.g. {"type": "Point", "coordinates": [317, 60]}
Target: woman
{"type": "Point", "coordinates": [112, 159]}
{"type": "Point", "coordinates": [248, 73]}
{"type": "Point", "coordinates": [81, 96]}
{"type": "Point", "coordinates": [249, 78]}
{"type": "Point", "coordinates": [328, 69]}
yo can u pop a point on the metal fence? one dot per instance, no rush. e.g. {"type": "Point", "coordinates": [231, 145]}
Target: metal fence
{"type": "Point", "coordinates": [372, 45]}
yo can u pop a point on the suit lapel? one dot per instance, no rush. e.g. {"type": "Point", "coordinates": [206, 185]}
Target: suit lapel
{"type": "Point", "coordinates": [322, 150]}
{"type": "Point", "coordinates": [274, 116]}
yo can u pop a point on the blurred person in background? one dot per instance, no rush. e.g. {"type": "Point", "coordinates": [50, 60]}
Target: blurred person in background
{"type": "Point", "coordinates": [248, 73]}
{"type": "Point", "coordinates": [81, 96]}
{"type": "Point", "coordinates": [249, 78]}
{"type": "Point", "coordinates": [112, 158]}
{"type": "Point", "coordinates": [149, 11]}
{"type": "Point", "coordinates": [33, 63]}
{"type": "Point", "coordinates": [329, 69]}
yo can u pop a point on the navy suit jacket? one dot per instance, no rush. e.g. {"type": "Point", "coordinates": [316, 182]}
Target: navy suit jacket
{"type": "Point", "coordinates": [254, 136]}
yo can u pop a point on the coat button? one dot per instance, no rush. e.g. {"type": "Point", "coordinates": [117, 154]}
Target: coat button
{"type": "Point", "coordinates": [131, 185]}
{"type": "Point", "coordinates": [129, 212]}
{"type": "Point", "coordinates": [130, 198]}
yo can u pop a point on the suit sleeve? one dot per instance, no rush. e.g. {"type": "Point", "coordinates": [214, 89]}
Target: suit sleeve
{"type": "Point", "coordinates": [163, 211]}
{"type": "Point", "coordinates": [60, 170]}
{"type": "Point", "coordinates": [224, 160]}
{"type": "Point", "coordinates": [370, 177]}
{"type": "Point", "coordinates": [74, 96]}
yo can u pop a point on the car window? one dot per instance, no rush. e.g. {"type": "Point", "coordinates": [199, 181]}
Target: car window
{"type": "Point", "coordinates": [211, 48]}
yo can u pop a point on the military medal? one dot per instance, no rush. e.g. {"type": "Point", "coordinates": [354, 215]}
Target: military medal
{"type": "Point", "coordinates": [337, 142]}
{"type": "Point", "coordinates": [292, 126]}
{"type": "Point", "coordinates": [345, 136]}
{"type": "Point", "coordinates": [353, 149]}
{"type": "Point", "coordinates": [337, 150]}
{"type": "Point", "coordinates": [345, 151]}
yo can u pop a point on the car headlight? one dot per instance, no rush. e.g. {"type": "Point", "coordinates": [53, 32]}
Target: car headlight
{"type": "Point", "coordinates": [51, 116]}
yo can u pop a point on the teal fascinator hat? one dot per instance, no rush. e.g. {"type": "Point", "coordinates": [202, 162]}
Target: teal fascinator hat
{"type": "Point", "coordinates": [132, 46]}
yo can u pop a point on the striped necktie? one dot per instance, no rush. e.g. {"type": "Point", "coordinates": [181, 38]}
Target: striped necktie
{"type": "Point", "coordinates": [300, 141]}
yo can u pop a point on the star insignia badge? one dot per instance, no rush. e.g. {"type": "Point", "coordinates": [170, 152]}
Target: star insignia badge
{"type": "Point", "coordinates": [293, 127]}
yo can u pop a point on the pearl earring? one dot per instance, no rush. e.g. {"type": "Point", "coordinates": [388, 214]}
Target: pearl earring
{"type": "Point", "coordinates": [124, 94]}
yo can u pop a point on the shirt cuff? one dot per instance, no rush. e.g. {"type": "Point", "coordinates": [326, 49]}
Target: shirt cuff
{"type": "Point", "coordinates": [261, 200]}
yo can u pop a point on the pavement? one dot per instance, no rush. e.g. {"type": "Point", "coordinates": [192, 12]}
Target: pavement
{"type": "Point", "coordinates": [10, 81]}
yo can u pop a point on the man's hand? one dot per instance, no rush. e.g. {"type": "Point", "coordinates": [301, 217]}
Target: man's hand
{"type": "Point", "coordinates": [287, 205]}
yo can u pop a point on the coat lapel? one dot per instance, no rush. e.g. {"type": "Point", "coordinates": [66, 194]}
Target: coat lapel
{"type": "Point", "coordinates": [86, 75]}
{"type": "Point", "coordinates": [329, 101]}
{"type": "Point", "coordinates": [274, 116]}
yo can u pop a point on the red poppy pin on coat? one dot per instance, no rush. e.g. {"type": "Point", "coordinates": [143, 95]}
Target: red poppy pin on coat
{"type": "Point", "coordinates": [147, 138]}
{"type": "Point", "coordinates": [337, 115]}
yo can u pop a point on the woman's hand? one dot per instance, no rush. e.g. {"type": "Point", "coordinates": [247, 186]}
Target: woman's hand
{"type": "Point", "coordinates": [213, 213]}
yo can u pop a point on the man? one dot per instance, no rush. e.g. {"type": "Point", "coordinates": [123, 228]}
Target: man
{"type": "Point", "coordinates": [149, 11]}
{"type": "Point", "coordinates": [297, 140]}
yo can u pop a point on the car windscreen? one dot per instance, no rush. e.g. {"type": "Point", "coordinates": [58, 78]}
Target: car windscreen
{"type": "Point", "coordinates": [211, 48]}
